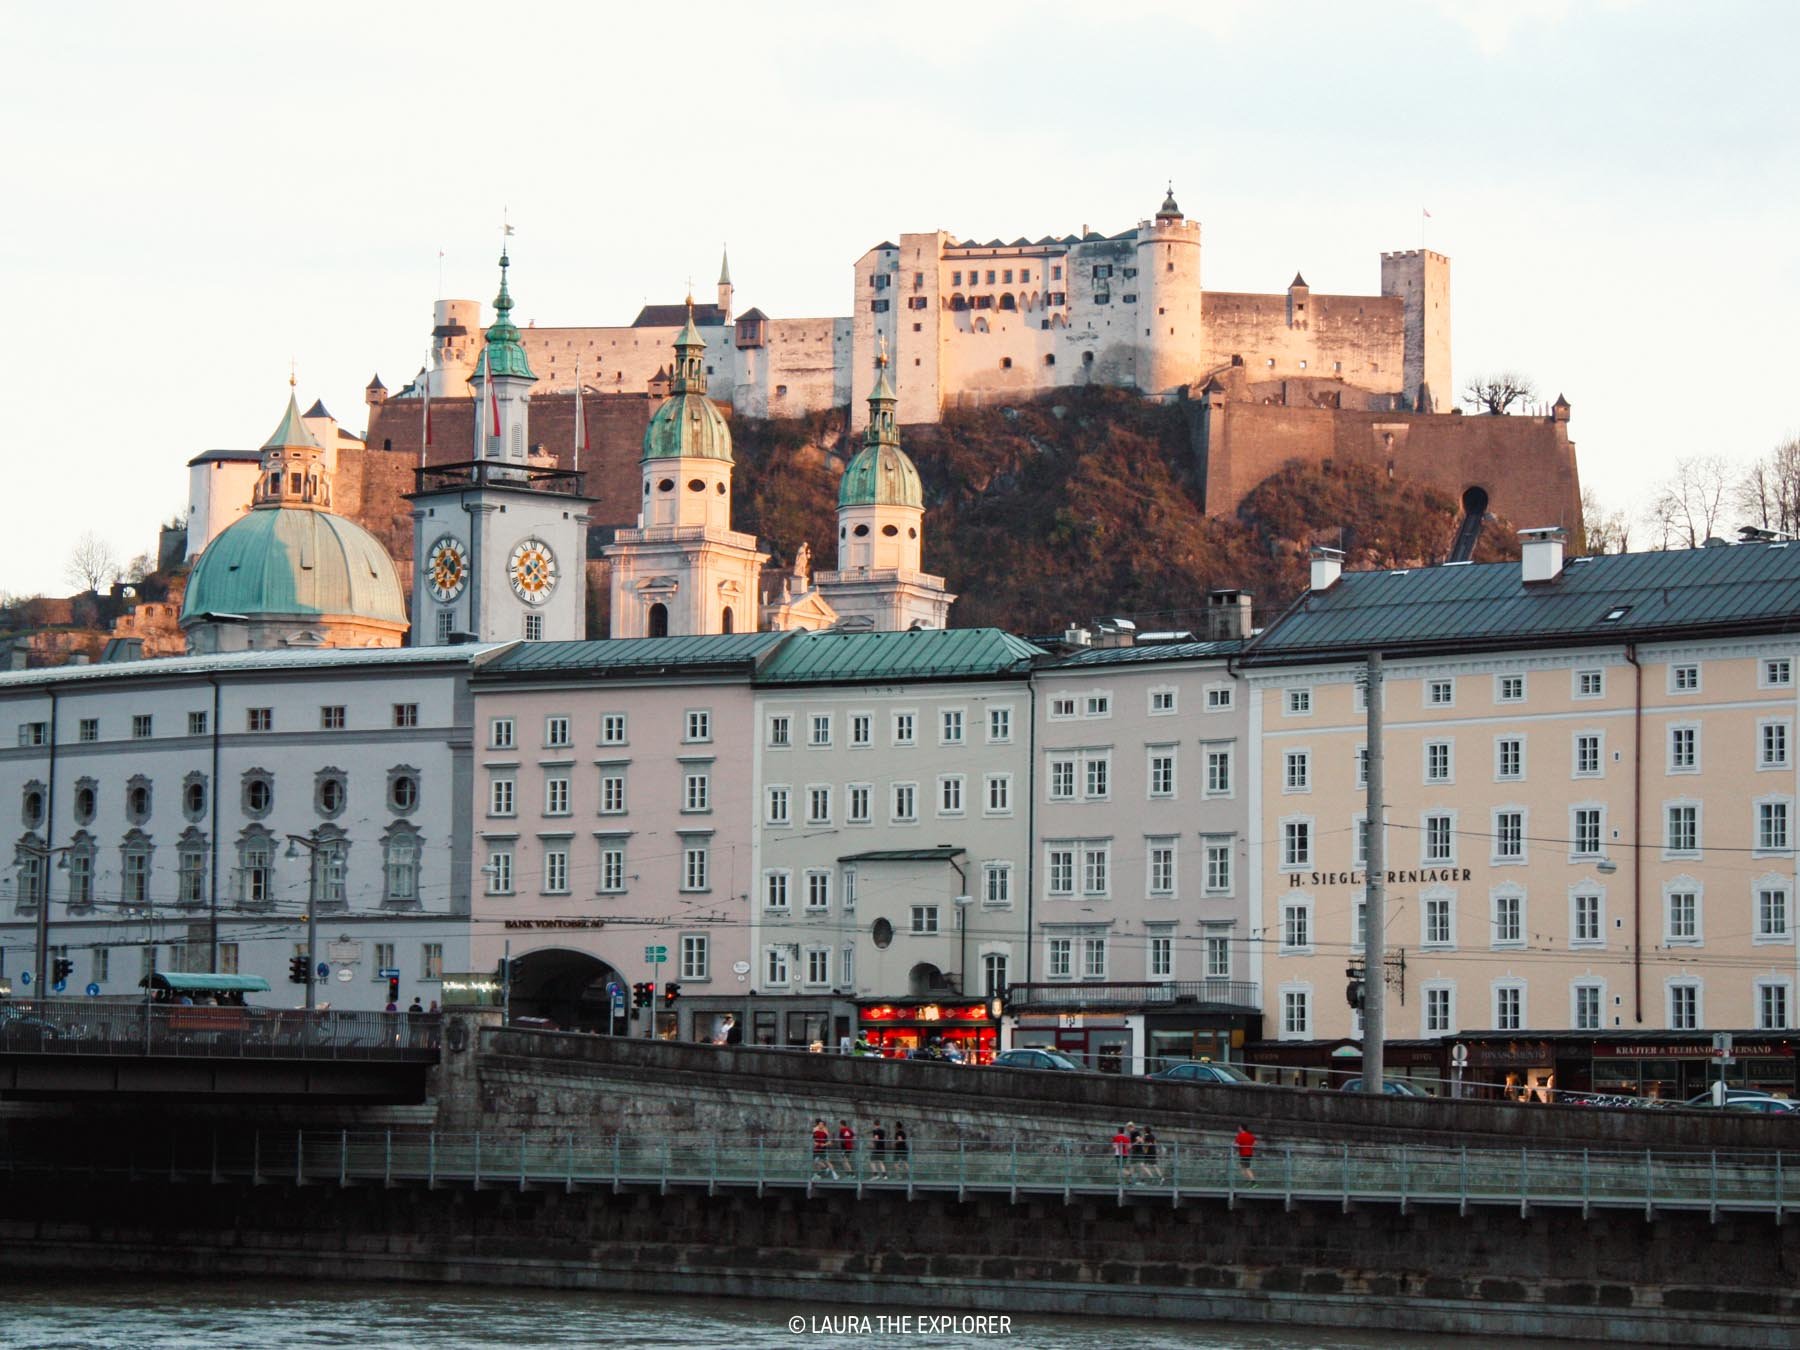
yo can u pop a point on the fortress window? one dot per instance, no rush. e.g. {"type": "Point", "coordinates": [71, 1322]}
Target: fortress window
{"type": "Point", "coordinates": [1129, 299]}
{"type": "Point", "coordinates": [1270, 363]}
{"type": "Point", "coordinates": [1087, 358]}
{"type": "Point", "coordinates": [990, 276]}
{"type": "Point", "coordinates": [1102, 270]}
{"type": "Point", "coordinates": [1171, 267]}
{"type": "Point", "coordinates": [1024, 275]}
{"type": "Point", "coordinates": [918, 328]}
{"type": "Point", "coordinates": [911, 533]}
{"type": "Point", "coordinates": [878, 306]}
{"type": "Point", "coordinates": [721, 486]}
{"type": "Point", "coordinates": [1128, 271]}
{"type": "Point", "coordinates": [1007, 276]}
{"type": "Point", "coordinates": [1049, 358]}
{"type": "Point", "coordinates": [1337, 367]}
{"type": "Point", "coordinates": [1007, 302]}
{"type": "Point", "coordinates": [956, 278]}
{"type": "Point", "coordinates": [1006, 363]}
{"type": "Point", "coordinates": [1303, 365]}
{"type": "Point", "coordinates": [879, 281]}
{"type": "Point", "coordinates": [1102, 297]}
{"type": "Point", "coordinates": [1056, 272]}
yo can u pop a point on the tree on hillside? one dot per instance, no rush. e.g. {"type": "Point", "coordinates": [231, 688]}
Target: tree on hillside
{"type": "Point", "coordinates": [92, 563]}
{"type": "Point", "coordinates": [1497, 392]}
{"type": "Point", "coordinates": [1607, 531]}
{"type": "Point", "coordinates": [1769, 493]}
{"type": "Point", "coordinates": [1689, 507]}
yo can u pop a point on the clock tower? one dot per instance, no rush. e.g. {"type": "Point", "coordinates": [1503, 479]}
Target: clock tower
{"type": "Point", "coordinates": [499, 542]}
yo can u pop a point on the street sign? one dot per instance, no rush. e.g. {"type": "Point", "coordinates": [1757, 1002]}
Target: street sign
{"type": "Point", "coordinates": [1722, 1048]}
{"type": "Point", "coordinates": [24, 977]}
{"type": "Point", "coordinates": [59, 986]}
{"type": "Point", "coordinates": [1459, 1054]}
{"type": "Point", "coordinates": [656, 955]}
{"type": "Point", "coordinates": [93, 991]}
{"type": "Point", "coordinates": [324, 971]}
{"type": "Point", "coordinates": [389, 972]}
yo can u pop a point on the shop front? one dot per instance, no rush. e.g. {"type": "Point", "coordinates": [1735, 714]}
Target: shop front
{"type": "Point", "coordinates": [1329, 1064]}
{"type": "Point", "coordinates": [900, 1027]}
{"type": "Point", "coordinates": [1660, 1065]}
{"type": "Point", "coordinates": [1105, 1041]}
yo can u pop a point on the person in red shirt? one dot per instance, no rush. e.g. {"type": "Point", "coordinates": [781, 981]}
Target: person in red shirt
{"type": "Point", "coordinates": [1121, 1146]}
{"type": "Point", "coordinates": [1246, 1151]}
{"type": "Point", "coordinates": [821, 1138]}
{"type": "Point", "coordinates": [847, 1144]}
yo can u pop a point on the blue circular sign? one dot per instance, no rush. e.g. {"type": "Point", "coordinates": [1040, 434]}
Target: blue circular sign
{"type": "Point", "coordinates": [93, 991]}
{"type": "Point", "coordinates": [324, 971]}
{"type": "Point", "coordinates": [59, 987]}
{"type": "Point", "coordinates": [24, 977]}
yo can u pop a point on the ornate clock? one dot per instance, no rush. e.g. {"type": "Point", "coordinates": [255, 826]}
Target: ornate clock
{"type": "Point", "coordinates": [532, 571]}
{"type": "Point", "coordinates": [447, 569]}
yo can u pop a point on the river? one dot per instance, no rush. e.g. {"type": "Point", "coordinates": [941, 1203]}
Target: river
{"type": "Point", "coordinates": [112, 1314]}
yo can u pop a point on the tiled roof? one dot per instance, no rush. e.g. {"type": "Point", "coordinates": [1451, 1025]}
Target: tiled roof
{"type": "Point", "coordinates": [1148, 652]}
{"type": "Point", "coordinates": [1737, 588]}
{"type": "Point", "coordinates": [674, 316]}
{"type": "Point", "coordinates": [919, 654]}
{"type": "Point", "coordinates": [711, 653]}
{"type": "Point", "coordinates": [236, 663]}
{"type": "Point", "coordinates": [231, 456]}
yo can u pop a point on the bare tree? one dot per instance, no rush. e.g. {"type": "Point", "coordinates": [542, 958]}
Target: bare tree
{"type": "Point", "coordinates": [138, 568]}
{"type": "Point", "coordinates": [1769, 492]}
{"type": "Point", "coordinates": [92, 563]}
{"type": "Point", "coordinates": [1690, 506]}
{"type": "Point", "coordinates": [1607, 531]}
{"type": "Point", "coordinates": [1497, 392]}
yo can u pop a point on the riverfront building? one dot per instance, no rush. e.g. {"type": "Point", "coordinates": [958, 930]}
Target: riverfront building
{"type": "Point", "coordinates": [1590, 798]}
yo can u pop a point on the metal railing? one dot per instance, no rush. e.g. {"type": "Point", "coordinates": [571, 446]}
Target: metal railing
{"type": "Point", "coordinates": [63, 1027]}
{"type": "Point", "coordinates": [1644, 1181]}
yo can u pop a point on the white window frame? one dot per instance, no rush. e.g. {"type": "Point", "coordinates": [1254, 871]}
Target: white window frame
{"type": "Point", "coordinates": [1161, 866]}
{"type": "Point", "coordinates": [1216, 756]}
{"type": "Point", "coordinates": [1677, 731]}
{"type": "Point", "coordinates": [778, 804]}
{"type": "Point", "coordinates": [1435, 905]}
{"type": "Point", "coordinates": [1297, 702]}
{"type": "Point", "coordinates": [696, 726]}
{"type": "Point", "coordinates": [1784, 726]}
{"type": "Point", "coordinates": [952, 794]}
{"type": "Point", "coordinates": [1775, 672]}
{"type": "Point", "coordinates": [1581, 678]}
{"type": "Point", "coordinates": [1437, 1010]}
{"type": "Point", "coordinates": [819, 730]}
{"type": "Point", "coordinates": [1760, 997]}
{"type": "Point", "coordinates": [904, 795]}
{"type": "Point", "coordinates": [1296, 920]}
{"type": "Point", "coordinates": [1162, 700]}
{"type": "Point", "coordinates": [818, 803]}
{"type": "Point", "coordinates": [1296, 770]}
{"type": "Point", "coordinates": [862, 730]}
{"type": "Point", "coordinates": [818, 890]}
{"type": "Point", "coordinates": [1060, 862]}
{"type": "Point", "coordinates": [1095, 861]}
{"type": "Point", "coordinates": [903, 726]}
{"type": "Point", "coordinates": [1216, 848]}
{"type": "Point", "coordinates": [1688, 886]}
{"type": "Point", "coordinates": [1220, 698]}
{"type": "Point", "coordinates": [778, 731]}
{"type": "Point", "coordinates": [1291, 860]}
{"type": "Point", "coordinates": [1501, 683]}
{"type": "Point", "coordinates": [999, 724]}
{"type": "Point", "coordinates": [778, 891]}
{"type": "Point", "coordinates": [1159, 955]}
{"type": "Point", "coordinates": [1576, 852]}
{"type": "Point", "coordinates": [1429, 752]}
{"type": "Point", "coordinates": [1519, 993]}
{"type": "Point", "coordinates": [1440, 692]}
{"type": "Point", "coordinates": [1427, 826]}
{"type": "Point", "coordinates": [1295, 1009]}
{"type": "Point", "coordinates": [1761, 933]}
{"type": "Point", "coordinates": [1577, 895]}
{"type": "Point", "coordinates": [996, 794]}
{"type": "Point", "coordinates": [1684, 677]}
{"type": "Point", "coordinates": [1500, 745]}
{"type": "Point", "coordinates": [1500, 899]}
{"type": "Point", "coordinates": [1766, 812]}
{"type": "Point", "coordinates": [1497, 856]}
{"type": "Point", "coordinates": [558, 795]}
{"type": "Point", "coordinates": [615, 728]}
{"type": "Point", "coordinates": [1696, 1014]}
{"type": "Point", "coordinates": [996, 885]}
{"type": "Point", "coordinates": [853, 793]}
{"type": "Point", "coordinates": [1598, 989]}
{"type": "Point", "coordinates": [1599, 739]}
{"type": "Point", "coordinates": [953, 726]}
{"type": "Point", "coordinates": [1161, 757]}
{"type": "Point", "coordinates": [1698, 846]}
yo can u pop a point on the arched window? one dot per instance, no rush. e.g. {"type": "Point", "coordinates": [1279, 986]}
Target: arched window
{"type": "Point", "coordinates": [728, 621]}
{"type": "Point", "coordinates": [659, 620]}
{"type": "Point", "coordinates": [190, 868]}
{"type": "Point", "coordinates": [400, 851]}
{"type": "Point", "coordinates": [256, 867]}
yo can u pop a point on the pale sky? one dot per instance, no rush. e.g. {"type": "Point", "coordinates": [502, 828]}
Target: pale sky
{"type": "Point", "coordinates": [198, 193]}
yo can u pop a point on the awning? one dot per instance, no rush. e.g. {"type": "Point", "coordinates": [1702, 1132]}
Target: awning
{"type": "Point", "coordinates": [941, 853]}
{"type": "Point", "coordinates": [180, 982]}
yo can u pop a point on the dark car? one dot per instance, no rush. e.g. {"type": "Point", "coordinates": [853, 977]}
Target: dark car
{"type": "Point", "coordinates": [1392, 1087]}
{"type": "Point", "coordinates": [1036, 1059]}
{"type": "Point", "coordinates": [20, 1030]}
{"type": "Point", "coordinates": [1203, 1071]}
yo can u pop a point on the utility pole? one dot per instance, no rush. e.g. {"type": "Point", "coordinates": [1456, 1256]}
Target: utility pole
{"type": "Point", "coordinates": [1375, 897]}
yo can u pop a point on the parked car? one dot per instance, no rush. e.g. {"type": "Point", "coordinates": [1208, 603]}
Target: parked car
{"type": "Point", "coordinates": [1203, 1071]}
{"type": "Point", "coordinates": [1392, 1087]}
{"type": "Point", "coordinates": [20, 1030]}
{"type": "Point", "coordinates": [1746, 1099]}
{"type": "Point", "coordinates": [1037, 1059]}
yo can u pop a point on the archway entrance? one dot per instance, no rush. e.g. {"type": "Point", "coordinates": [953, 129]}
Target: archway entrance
{"type": "Point", "coordinates": [565, 987]}
{"type": "Point", "coordinates": [659, 620]}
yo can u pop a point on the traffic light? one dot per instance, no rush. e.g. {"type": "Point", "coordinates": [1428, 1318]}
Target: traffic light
{"type": "Point", "coordinates": [297, 970]}
{"type": "Point", "coordinates": [671, 992]}
{"type": "Point", "coordinates": [642, 994]}
{"type": "Point", "coordinates": [1353, 992]}
{"type": "Point", "coordinates": [393, 989]}
{"type": "Point", "coordinates": [61, 969]}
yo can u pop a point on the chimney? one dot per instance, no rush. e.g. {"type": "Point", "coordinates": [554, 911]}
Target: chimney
{"type": "Point", "coordinates": [1327, 567]}
{"type": "Point", "coordinates": [1077, 637]}
{"type": "Point", "coordinates": [1541, 553]}
{"type": "Point", "coordinates": [1227, 615]}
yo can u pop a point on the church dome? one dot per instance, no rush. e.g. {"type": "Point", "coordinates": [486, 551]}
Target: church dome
{"type": "Point", "coordinates": [881, 475]}
{"type": "Point", "coordinates": [293, 561]}
{"type": "Point", "coordinates": [688, 425]}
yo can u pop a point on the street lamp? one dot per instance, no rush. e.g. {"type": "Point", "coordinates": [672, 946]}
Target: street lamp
{"type": "Point", "coordinates": [43, 854]}
{"type": "Point", "coordinates": [309, 842]}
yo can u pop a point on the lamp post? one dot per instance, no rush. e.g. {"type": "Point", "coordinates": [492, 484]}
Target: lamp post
{"type": "Point", "coordinates": [309, 842]}
{"type": "Point", "coordinates": [43, 856]}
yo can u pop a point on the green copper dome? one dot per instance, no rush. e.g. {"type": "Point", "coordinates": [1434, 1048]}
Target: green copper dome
{"type": "Point", "coordinates": [292, 431]}
{"type": "Point", "coordinates": [880, 475]}
{"type": "Point", "coordinates": [505, 354]}
{"type": "Point", "coordinates": [301, 562]}
{"type": "Point", "coordinates": [689, 424]}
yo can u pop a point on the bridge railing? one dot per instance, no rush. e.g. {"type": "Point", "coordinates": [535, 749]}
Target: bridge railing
{"type": "Point", "coordinates": [1403, 1174]}
{"type": "Point", "coordinates": [64, 1027]}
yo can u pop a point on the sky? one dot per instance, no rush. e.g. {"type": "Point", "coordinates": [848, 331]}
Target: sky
{"type": "Point", "coordinates": [201, 194]}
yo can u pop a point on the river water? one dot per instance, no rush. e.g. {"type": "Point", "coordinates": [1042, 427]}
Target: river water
{"type": "Point", "coordinates": [108, 1314]}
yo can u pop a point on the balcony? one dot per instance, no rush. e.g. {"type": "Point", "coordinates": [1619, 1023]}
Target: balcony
{"type": "Point", "coordinates": [1225, 996]}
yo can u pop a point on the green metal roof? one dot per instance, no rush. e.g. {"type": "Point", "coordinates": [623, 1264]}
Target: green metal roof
{"type": "Point", "coordinates": [688, 426]}
{"type": "Point", "coordinates": [292, 430]}
{"type": "Point", "coordinates": [212, 984]}
{"type": "Point", "coordinates": [918, 654]}
{"type": "Point", "coordinates": [286, 561]}
{"type": "Point", "coordinates": [335, 659]}
{"type": "Point", "coordinates": [1144, 654]}
{"type": "Point", "coordinates": [1622, 597]}
{"type": "Point", "coordinates": [623, 657]}
{"type": "Point", "coordinates": [942, 853]}
{"type": "Point", "coordinates": [881, 475]}
{"type": "Point", "coordinates": [505, 354]}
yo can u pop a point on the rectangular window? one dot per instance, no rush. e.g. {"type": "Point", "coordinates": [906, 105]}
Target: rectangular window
{"type": "Point", "coordinates": [1062, 706]}
{"type": "Point", "coordinates": [256, 719]}
{"type": "Point", "coordinates": [696, 725]}
{"type": "Point", "coordinates": [1681, 922]}
{"type": "Point", "coordinates": [1218, 958]}
{"type": "Point", "coordinates": [781, 730]}
{"type": "Point", "coordinates": [1298, 702]}
{"type": "Point", "coordinates": [556, 732]}
{"type": "Point", "coordinates": [1162, 958]}
{"type": "Point", "coordinates": [857, 798]}
{"type": "Point", "coordinates": [1509, 1008]}
{"type": "Point", "coordinates": [556, 796]}
{"type": "Point", "coordinates": [1096, 862]}
{"type": "Point", "coordinates": [500, 797]}
{"type": "Point", "coordinates": [331, 717]}
{"type": "Point", "coordinates": [1771, 1007]}
{"type": "Point", "coordinates": [862, 729]}
{"type": "Point", "coordinates": [1684, 751]}
{"type": "Point", "coordinates": [1509, 758]}
{"type": "Point", "coordinates": [1682, 829]}
{"type": "Point", "coordinates": [1097, 777]}
{"type": "Point", "coordinates": [1296, 1012]}
{"type": "Point", "coordinates": [996, 884]}
{"type": "Point", "coordinates": [1437, 1011]}
{"type": "Point", "coordinates": [1060, 871]}
{"type": "Point", "coordinates": [1509, 919]}
{"type": "Point", "coordinates": [1587, 755]}
{"type": "Point", "coordinates": [998, 792]}
{"type": "Point", "coordinates": [1509, 836]}
{"type": "Point", "coordinates": [1360, 849]}
{"type": "Point", "coordinates": [1586, 820]}
{"type": "Point", "coordinates": [1587, 918]}
{"type": "Point", "coordinates": [142, 726]}
{"type": "Point", "coordinates": [89, 729]}
{"type": "Point", "coordinates": [1684, 1007]}
{"type": "Point", "coordinates": [818, 965]}
{"type": "Point", "coordinates": [904, 729]}
{"type": "Point", "coordinates": [696, 961]}
{"type": "Point", "coordinates": [431, 961]}
{"type": "Point", "coordinates": [818, 729]}
{"type": "Point", "coordinates": [1440, 843]}
{"type": "Point", "coordinates": [1218, 773]}
{"type": "Point", "coordinates": [1218, 867]}
{"type": "Point", "coordinates": [1162, 866]}
{"type": "Point", "coordinates": [34, 733]}
{"type": "Point", "coordinates": [190, 878]}
{"type": "Point", "coordinates": [999, 725]}
{"type": "Point", "coordinates": [613, 728]}
{"type": "Point", "coordinates": [1098, 705]}
{"type": "Point", "coordinates": [1587, 1007]}
{"type": "Point", "coordinates": [696, 791]}
{"type": "Point", "coordinates": [556, 872]}
{"type": "Point", "coordinates": [500, 734]}
{"type": "Point", "coordinates": [612, 794]}
{"type": "Point", "coordinates": [612, 868]}
{"type": "Point", "coordinates": [445, 625]}
{"type": "Point", "coordinates": [775, 965]}
{"type": "Point", "coordinates": [1218, 698]}
{"type": "Point", "coordinates": [848, 890]}
{"type": "Point", "coordinates": [695, 868]}
{"type": "Point", "coordinates": [1772, 913]}
{"type": "Point", "coordinates": [198, 723]}
{"type": "Point", "coordinates": [1162, 772]}
{"type": "Point", "coordinates": [775, 891]}
{"type": "Point", "coordinates": [1437, 761]}
{"type": "Point", "coordinates": [1590, 683]}
{"type": "Point", "coordinates": [534, 628]}
{"type": "Point", "coordinates": [1296, 926]}
{"type": "Point", "coordinates": [1093, 958]}
{"type": "Point", "coordinates": [1684, 679]}
{"type": "Point", "coordinates": [1162, 702]}
{"type": "Point", "coordinates": [1771, 827]}
{"type": "Point", "coordinates": [1296, 844]}
{"type": "Point", "coordinates": [1509, 689]}
{"type": "Point", "coordinates": [1440, 693]}
{"type": "Point", "coordinates": [779, 806]}
{"type": "Point", "coordinates": [1062, 780]}
{"type": "Point", "coordinates": [924, 919]}
{"type": "Point", "coordinates": [950, 795]}
{"type": "Point", "coordinates": [1772, 745]}
{"type": "Point", "coordinates": [499, 871]}
{"type": "Point", "coordinates": [1438, 932]}
{"type": "Point", "coordinates": [1777, 673]}
{"type": "Point", "coordinates": [906, 802]}
{"type": "Point", "coordinates": [1061, 952]}
{"type": "Point", "coordinates": [818, 804]}
{"type": "Point", "coordinates": [950, 727]}
{"type": "Point", "coordinates": [1295, 777]}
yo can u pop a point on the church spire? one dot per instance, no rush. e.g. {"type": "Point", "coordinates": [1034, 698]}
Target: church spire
{"type": "Point", "coordinates": [882, 430]}
{"type": "Point", "coordinates": [690, 357]}
{"type": "Point", "coordinates": [506, 355]}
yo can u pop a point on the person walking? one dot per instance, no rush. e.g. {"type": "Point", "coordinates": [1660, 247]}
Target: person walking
{"type": "Point", "coordinates": [821, 1141]}
{"type": "Point", "coordinates": [902, 1149]}
{"type": "Point", "coordinates": [1152, 1166]}
{"type": "Point", "coordinates": [1246, 1153]}
{"type": "Point", "coordinates": [1121, 1147]}
{"type": "Point", "coordinates": [878, 1152]}
{"type": "Point", "coordinates": [847, 1146]}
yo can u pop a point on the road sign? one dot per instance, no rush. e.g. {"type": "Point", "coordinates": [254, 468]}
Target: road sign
{"type": "Point", "coordinates": [1722, 1048]}
{"type": "Point", "coordinates": [59, 986]}
{"type": "Point", "coordinates": [1459, 1054]}
{"type": "Point", "coordinates": [93, 991]}
{"type": "Point", "coordinates": [24, 977]}
{"type": "Point", "coordinates": [389, 972]}
{"type": "Point", "coordinates": [324, 971]}
{"type": "Point", "coordinates": [656, 955]}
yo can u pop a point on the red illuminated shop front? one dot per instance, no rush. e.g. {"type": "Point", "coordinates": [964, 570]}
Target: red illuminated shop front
{"type": "Point", "coordinates": [898, 1029]}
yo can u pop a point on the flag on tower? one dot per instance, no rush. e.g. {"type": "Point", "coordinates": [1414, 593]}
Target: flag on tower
{"type": "Point", "coordinates": [481, 395]}
{"type": "Point", "coordinates": [493, 402]}
{"type": "Point", "coordinates": [1427, 213]}
{"type": "Point", "coordinates": [424, 415]}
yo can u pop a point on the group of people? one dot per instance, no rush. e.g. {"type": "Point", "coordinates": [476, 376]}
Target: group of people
{"type": "Point", "coordinates": [890, 1156]}
{"type": "Point", "coordinates": [1139, 1156]}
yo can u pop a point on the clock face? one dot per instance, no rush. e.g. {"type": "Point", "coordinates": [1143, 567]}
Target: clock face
{"type": "Point", "coordinates": [447, 569]}
{"type": "Point", "coordinates": [532, 569]}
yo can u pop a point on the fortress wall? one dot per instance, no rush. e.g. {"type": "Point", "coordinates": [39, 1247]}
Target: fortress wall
{"type": "Point", "coordinates": [617, 360]}
{"type": "Point", "coordinates": [797, 371]}
{"type": "Point", "coordinates": [1365, 333]}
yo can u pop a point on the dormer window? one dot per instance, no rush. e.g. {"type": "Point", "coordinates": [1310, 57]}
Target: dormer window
{"type": "Point", "coordinates": [1616, 613]}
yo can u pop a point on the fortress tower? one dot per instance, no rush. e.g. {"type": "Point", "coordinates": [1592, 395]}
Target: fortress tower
{"type": "Point", "coordinates": [1168, 290]}
{"type": "Point", "coordinates": [455, 339]}
{"type": "Point", "coordinates": [1421, 279]}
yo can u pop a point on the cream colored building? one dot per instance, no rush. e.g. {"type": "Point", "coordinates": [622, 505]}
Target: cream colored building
{"type": "Point", "coordinates": [1590, 783]}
